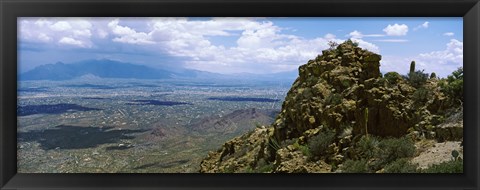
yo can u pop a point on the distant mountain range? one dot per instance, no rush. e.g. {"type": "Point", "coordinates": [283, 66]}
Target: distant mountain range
{"type": "Point", "coordinates": [105, 68]}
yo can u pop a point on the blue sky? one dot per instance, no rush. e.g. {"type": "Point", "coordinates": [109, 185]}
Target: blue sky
{"type": "Point", "coordinates": [236, 45]}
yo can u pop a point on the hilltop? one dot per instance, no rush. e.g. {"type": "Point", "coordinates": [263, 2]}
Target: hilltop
{"type": "Point", "coordinates": [342, 115]}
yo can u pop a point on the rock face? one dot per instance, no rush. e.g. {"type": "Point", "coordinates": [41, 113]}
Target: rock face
{"type": "Point", "coordinates": [341, 90]}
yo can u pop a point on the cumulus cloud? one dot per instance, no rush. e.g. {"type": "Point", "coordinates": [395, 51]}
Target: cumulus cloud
{"type": "Point", "coordinates": [256, 44]}
{"type": "Point", "coordinates": [63, 31]}
{"type": "Point", "coordinates": [442, 62]}
{"type": "Point", "coordinates": [127, 35]}
{"type": "Point", "coordinates": [329, 36]}
{"type": "Point", "coordinates": [357, 34]}
{"type": "Point", "coordinates": [61, 26]}
{"type": "Point", "coordinates": [452, 55]}
{"type": "Point", "coordinates": [448, 34]}
{"type": "Point", "coordinates": [424, 25]}
{"type": "Point", "coordinates": [71, 41]}
{"type": "Point", "coordinates": [396, 30]}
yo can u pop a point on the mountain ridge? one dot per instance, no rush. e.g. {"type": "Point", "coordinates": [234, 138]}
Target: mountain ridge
{"type": "Point", "coordinates": [106, 68]}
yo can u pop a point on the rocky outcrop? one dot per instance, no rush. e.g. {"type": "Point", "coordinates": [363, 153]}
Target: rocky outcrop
{"type": "Point", "coordinates": [342, 91]}
{"type": "Point", "coordinates": [239, 154]}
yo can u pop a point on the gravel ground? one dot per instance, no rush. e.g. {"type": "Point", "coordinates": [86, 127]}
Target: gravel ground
{"type": "Point", "coordinates": [438, 153]}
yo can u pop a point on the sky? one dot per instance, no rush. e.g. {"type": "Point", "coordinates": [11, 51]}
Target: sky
{"type": "Point", "coordinates": [239, 45]}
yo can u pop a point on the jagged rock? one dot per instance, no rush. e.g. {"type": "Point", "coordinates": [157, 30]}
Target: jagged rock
{"type": "Point", "coordinates": [452, 130]}
{"type": "Point", "coordinates": [289, 161]}
{"type": "Point", "coordinates": [238, 154]}
{"type": "Point", "coordinates": [337, 88]}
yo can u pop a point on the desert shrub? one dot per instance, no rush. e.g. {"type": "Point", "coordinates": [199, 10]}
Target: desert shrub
{"type": "Point", "coordinates": [354, 166]}
{"type": "Point", "coordinates": [420, 95]}
{"type": "Point", "coordinates": [392, 77]}
{"type": "Point", "coordinates": [367, 147]}
{"type": "Point", "coordinates": [304, 149]}
{"type": "Point", "coordinates": [395, 148]}
{"type": "Point", "coordinates": [333, 99]}
{"type": "Point", "coordinates": [229, 169]}
{"type": "Point", "coordinates": [401, 165]}
{"type": "Point", "coordinates": [332, 45]}
{"type": "Point", "coordinates": [318, 144]}
{"type": "Point", "coordinates": [265, 169]}
{"type": "Point", "coordinates": [263, 166]}
{"type": "Point", "coordinates": [452, 86]}
{"type": "Point", "coordinates": [453, 166]}
{"type": "Point", "coordinates": [349, 41]}
{"type": "Point", "coordinates": [243, 150]}
{"type": "Point", "coordinates": [273, 143]}
{"type": "Point", "coordinates": [417, 78]}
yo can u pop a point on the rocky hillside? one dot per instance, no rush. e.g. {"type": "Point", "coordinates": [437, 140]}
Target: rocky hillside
{"type": "Point", "coordinates": [342, 115]}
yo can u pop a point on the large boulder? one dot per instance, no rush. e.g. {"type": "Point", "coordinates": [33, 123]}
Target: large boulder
{"type": "Point", "coordinates": [344, 87]}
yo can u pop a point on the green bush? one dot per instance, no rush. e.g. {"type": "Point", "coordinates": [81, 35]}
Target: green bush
{"type": "Point", "coordinates": [318, 144]}
{"type": "Point", "coordinates": [367, 147]}
{"type": "Point", "coordinates": [375, 153]}
{"type": "Point", "coordinates": [420, 95]}
{"type": "Point", "coordinates": [453, 166]}
{"type": "Point", "coordinates": [395, 148]}
{"type": "Point", "coordinates": [417, 78]}
{"type": "Point", "coordinates": [401, 165]}
{"type": "Point", "coordinates": [452, 86]}
{"type": "Point", "coordinates": [392, 77]}
{"type": "Point", "coordinates": [263, 166]}
{"type": "Point", "coordinates": [355, 166]}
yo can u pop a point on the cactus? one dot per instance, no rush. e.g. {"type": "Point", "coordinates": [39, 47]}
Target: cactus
{"type": "Point", "coordinates": [366, 121]}
{"type": "Point", "coordinates": [412, 67]}
{"type": "Point", "coordinates": [455, 154]}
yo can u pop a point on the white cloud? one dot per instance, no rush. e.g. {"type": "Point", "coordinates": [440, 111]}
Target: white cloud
{"type": "Point", "coordinates": [367, 45]}
{"type": "Point", "coordinates": [392, 40]}
{"type": "Point", "coordinates": [329, 36]}
{"type": "Point", "coordinates": [127, 35]}
{"type": "Point", "coordinates": [452, 55]}
{"type": "Point", "coordinates": [356, 34]}
{"type": "Point", "coordinates": [61, 26]}
{"type": "Point", "coordinates": [259, 44]}
{"type": "Point", "coordinates": [448, 34]}
{"type": "Point", "coordinates": [442, 62]}
{"type": "Point", "coordinates": [255, 45]}
{"type": "Point", "coordinates": [424, 25]}
{"type": "Point", "coordinates": [44, 37]}
{"type": "Point", "coordinates": [396, 30]}
{"type": "Point", "coordinates": [71, 41]}
{"type": "Point", "coordinates": [71, 31]}
{"type": "Point", "coordinates": [102, 33]}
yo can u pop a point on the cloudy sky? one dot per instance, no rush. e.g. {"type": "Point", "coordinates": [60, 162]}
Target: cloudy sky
{"type": "Point", "coordinates": [236, 45]}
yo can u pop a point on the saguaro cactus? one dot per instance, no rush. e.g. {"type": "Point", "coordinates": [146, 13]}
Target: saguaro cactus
{"type": "Point", "coordinates": [412, 67]}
